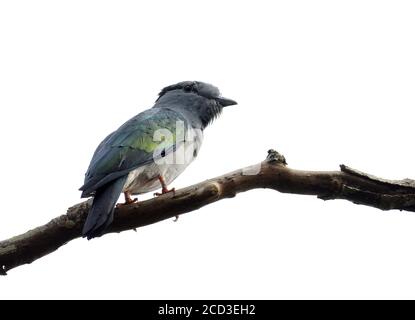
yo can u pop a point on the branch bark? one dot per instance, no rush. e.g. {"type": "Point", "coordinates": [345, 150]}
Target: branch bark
{"type": "Point", "coordinates": [347, 184]}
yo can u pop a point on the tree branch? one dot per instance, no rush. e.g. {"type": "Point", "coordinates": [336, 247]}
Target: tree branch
{"type": "Point", "coordinates": [348, 184]}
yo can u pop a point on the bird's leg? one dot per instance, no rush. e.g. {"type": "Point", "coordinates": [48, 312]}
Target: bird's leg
{"type": "Point", "coordinates": [164, 188]}
{"type": "Point", "coordinates": [128, 200]}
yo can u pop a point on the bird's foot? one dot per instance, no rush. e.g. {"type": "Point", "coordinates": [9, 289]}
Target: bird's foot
{"type": "Point", "coordinates": [128, 200]}
{"type": "Point", "coordinates": [164, 191]}
{"type": "Point", "coordinates": [176, 218]}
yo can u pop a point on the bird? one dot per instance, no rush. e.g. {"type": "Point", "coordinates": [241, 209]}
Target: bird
{"type": "Point", "coordinates": [149, 151]}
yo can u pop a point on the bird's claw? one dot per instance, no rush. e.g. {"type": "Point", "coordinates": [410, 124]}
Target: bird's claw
{"type": "Point", "coordinates": [164, 191]}
{"type": "Point", "coordinates": [126, 203]}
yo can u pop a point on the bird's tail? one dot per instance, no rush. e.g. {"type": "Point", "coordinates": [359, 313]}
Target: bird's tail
{"type": "Point", "coordinates": [101, 214]}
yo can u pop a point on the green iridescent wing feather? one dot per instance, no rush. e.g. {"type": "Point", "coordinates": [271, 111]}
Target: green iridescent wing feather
{"type": "Point", "coordinates": [134, 145]}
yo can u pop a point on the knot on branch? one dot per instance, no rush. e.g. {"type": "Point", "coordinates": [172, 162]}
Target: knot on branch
{"type": "Point", "coordinates": [276, 157]}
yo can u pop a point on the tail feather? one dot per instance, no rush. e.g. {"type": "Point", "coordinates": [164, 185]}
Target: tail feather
{"type": "Point", "coordinates": [101, 213]}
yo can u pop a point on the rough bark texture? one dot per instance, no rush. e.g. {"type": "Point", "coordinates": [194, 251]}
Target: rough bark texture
{"type": "Point", "coordinates": [348, 184]}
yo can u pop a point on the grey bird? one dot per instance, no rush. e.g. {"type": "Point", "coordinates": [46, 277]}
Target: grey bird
{"type": "Point", "coordinates": [150, 150]}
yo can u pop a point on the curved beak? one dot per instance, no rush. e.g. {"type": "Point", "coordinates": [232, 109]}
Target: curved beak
{"type": "Point", "coordinates": [224, 102]}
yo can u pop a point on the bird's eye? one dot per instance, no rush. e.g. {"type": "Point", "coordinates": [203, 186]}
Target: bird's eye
{"type": "Point", "coordinates": [187, 88]}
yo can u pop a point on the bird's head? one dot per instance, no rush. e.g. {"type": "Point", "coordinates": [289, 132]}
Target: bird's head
{"type": "Point", "coordinates": [201, 99]}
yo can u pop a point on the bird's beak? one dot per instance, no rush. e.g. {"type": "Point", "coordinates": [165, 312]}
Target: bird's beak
{"type": "Point", "coordinates": [225, 102]}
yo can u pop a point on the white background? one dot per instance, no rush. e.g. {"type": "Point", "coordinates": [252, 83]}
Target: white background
{"type": "Point", "coordinates": [323, 82]}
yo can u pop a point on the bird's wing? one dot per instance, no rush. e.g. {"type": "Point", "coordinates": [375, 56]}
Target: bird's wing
{"type": "Point", "coordinates": [149, 135]}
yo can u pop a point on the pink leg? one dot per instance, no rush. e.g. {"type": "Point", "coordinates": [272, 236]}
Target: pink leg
{"type": "Point", "coordinates": [128, 200]}
{"type": "Point", "coordinates": [164, 188]}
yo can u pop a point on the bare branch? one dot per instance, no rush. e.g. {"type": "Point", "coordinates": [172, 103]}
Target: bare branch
{"type": "Point", "coordinates": [348, 184]}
